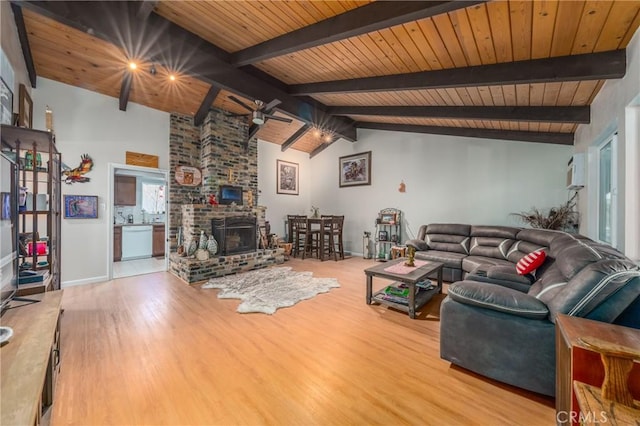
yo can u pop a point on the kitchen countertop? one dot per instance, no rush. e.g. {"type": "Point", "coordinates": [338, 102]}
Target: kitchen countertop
{"type": "Point", "coordinates": [140, 224]}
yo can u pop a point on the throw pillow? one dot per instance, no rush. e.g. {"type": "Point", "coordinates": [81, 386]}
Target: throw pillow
{"type": "Point", "coordinates": [531, 262]}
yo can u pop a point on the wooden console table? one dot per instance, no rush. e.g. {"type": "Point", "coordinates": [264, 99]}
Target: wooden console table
{"type": "Point", "coordinates": [30, 360]}
{"type": "Point", "coordinates": [574, 361]}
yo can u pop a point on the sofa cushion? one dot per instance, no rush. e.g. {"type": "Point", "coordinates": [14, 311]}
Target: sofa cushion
{"type": "Point", "coordinates": [448, 237]}
{"type": "Point", "coordinates": [549, 284]}
{"type": "Point", "coordinates": [531, 262]}
{"type": "Point", "coordinates": [573, 258]}
{"type": "Point", "coordinates": [509, 273]}
{"type": "Point", "coordinates": [539, 237]}
{"type": "Point", "coordinates": [591, 286]}
{"type": "Point", "coordinates": [501, 232]}
{"type": "Point", "coordinates": [505, 276]}
{"type": "Point", "coordinates": [449, 259]}
{"type": "Point", "coordinates": [497, 298]}
{"type": "Point", "coordinates": [490, 247]}
{"type": "Point", "coordinates": [520, 249]}
{"type": "Point", "coordinates": [470, 263]}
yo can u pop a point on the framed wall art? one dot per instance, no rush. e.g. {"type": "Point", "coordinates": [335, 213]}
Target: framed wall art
{"type": "Point", "coordinates": [387, 218]}
{"type": "Point", "coordinates": [287, 177]}
{"type": "Point", "coordinates": [25, 111]}
{"type": "Point", "coordinates": [80, 206]}
{"type": "Point", "coordinates": [6, 103]}
{"type": "Point", "coordinates": [355, 169]}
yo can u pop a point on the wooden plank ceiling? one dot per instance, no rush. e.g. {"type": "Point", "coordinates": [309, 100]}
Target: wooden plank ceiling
{"type": "Point", "coordinates": [323, 58]}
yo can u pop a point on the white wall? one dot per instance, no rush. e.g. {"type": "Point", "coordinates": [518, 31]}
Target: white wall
{"type": "Point", "coordinates": [608, 114]}
{"type": "Point", "coordinates": [448, 179]}
{"type": "Point", "coordinates": [86, 122]}
{"type": "Point", "coordinates": [13, 51]}
{"type": "Point", "coordinates": [280, 205]}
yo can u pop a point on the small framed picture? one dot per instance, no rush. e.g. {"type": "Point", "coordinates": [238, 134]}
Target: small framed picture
{"type": "Point", "coordinates": [388, 218]}
{"type": "Point", "coordinates": [394, 238]}
{"type": "Point", "coordinates": [383, 236]}
{"type": "Point", "coordinates": [355, 169]}
{"type": "Point", "coordinates": [25, 110]}
{"type": "Point", "coordinates": [287, 177]}
{"type": "Point", "coordinates": [80, 206]}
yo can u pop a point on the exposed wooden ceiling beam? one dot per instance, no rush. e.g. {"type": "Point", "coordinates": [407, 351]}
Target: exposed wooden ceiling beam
{"type": "Point", "coordinates": [318, 149]}
{"type": "Point", "coordinates": [24, 43]}
{"type": "Point", "coordinates": [145, 8]}
{"type": "Point", "coordinates": [294, 138]}
{"type": "Point", "coordinates": [253, 131]}
{"type": "Point", "coordinates": [362, 20]}
{"type": "Point", "coordinates": [125, 90]}
{"type": "Point", "coordinates": [167, 44]}
{"type": "Point", "coordinates": [571, 114]}
{"type": "Point", "coordinates": [592, 66]}
{"type": "Point", "coordinates": [201, 114]}
{"type": "Point", "coordinates": [511, 135]}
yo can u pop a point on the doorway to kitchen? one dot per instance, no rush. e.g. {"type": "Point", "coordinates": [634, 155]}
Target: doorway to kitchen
{"type": "Point", "coordinates": [139, 220]}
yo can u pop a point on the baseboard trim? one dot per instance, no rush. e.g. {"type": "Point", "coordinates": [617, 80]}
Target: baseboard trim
{"type": "Point", "coordinates": [84, 281]}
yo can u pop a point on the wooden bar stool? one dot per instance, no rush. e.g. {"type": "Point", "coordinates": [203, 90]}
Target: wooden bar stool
{"type": "Point", "coordinates": [300, 231]}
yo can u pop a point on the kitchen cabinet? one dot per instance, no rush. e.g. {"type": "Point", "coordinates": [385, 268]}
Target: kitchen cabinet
{"type": "Point", "coordinates": [117, 243]}
{"type": "Point", "coordinates": [124, 191]}
{"type": "Point", "coordinates": [158, 240]}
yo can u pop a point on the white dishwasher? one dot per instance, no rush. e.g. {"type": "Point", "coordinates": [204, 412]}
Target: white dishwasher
{"type": "Point", "coordinates": [137, 241]}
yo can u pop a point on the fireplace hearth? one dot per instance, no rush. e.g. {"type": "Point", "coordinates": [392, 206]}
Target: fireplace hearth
{"type": "Point", "coordinates": [235, 234]}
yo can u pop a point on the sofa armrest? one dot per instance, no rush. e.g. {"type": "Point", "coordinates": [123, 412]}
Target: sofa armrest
{"type": "Point", "coordinates": [419, 245]}
{"type": "Point", "coordinates": [498, 298]}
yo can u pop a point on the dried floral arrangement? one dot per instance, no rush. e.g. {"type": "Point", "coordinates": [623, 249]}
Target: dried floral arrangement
{"type": "Point", "coordinates": [564, 217]}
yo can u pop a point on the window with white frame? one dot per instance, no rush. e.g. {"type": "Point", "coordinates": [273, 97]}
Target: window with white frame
{"type": "Point", "coordinates": [153, 197]}
{"type": "Point", "coordinates": [607, 190]}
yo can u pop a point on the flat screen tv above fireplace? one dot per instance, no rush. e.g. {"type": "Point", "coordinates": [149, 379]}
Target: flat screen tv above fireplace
{"type": "Point", "coordinates": [230, 194]}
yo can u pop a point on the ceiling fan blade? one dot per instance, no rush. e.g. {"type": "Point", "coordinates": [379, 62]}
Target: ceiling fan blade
{"type": "Point", "coordinates": [239, 102]}
{"type": "Point", "coordinates": [271, 105]}
{"type": "Point", "coordinates": [235, 114]}
{"type": "Point", "coordinates": [275, 117]}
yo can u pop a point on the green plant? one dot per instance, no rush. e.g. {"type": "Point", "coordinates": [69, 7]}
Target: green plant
{"type": "Point", "coordinates": [564, 217]}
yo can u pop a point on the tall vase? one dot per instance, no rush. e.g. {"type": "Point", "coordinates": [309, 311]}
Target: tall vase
{"type": "Point", "coordinates": [203, 241]}
{"type": "Point", "coordinates": [192, 246]}
{"type": "Point", "coordinates": [212, 245]}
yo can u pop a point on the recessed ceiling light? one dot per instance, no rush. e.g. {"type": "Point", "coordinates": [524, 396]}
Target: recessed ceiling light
{"type": "Point", "coordinates": [317, 133]}
{"type": "Point", "coordinates": [132, 65]}
{"type": "Point", "coordinates": [172, 77]}
{"type": "Point", "coordinates": [328, 138]}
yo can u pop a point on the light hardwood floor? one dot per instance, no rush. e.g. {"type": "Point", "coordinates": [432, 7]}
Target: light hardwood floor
{"type": "Point", "coordinates": [153, 350]}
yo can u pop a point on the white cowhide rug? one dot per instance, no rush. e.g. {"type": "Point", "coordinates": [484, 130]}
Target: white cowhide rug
{"type": "Point", "coordinates": [265, 290]}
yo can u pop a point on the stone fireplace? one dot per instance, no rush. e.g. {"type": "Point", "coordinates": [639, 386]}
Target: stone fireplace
{"type": "Point", "coordinates": [235, 234]}
{"type": "Point", "coordinates": [220, 149]}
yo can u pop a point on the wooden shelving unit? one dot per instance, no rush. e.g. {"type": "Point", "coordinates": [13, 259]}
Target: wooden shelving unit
{"type": "Point", "coordinates": [389, 225]}
{"type": "Point", "coordinates": [39, 165]}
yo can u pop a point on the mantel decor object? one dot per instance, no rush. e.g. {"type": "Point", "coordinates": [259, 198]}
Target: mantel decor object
{"type": "Point", "coordinates": [188, 176]}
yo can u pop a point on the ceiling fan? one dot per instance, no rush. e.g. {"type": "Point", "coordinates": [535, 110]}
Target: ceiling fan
{"type": "Point", "coordinates": [260, 112]}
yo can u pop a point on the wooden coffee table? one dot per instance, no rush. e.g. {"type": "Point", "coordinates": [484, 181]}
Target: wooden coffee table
{"type": "Point", "coordinates": [411, 278]}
